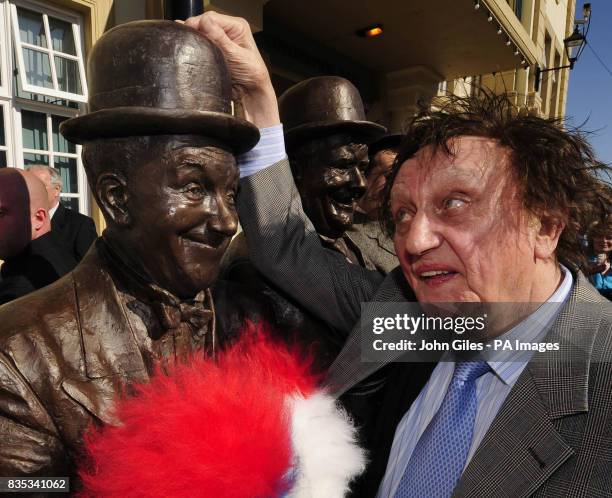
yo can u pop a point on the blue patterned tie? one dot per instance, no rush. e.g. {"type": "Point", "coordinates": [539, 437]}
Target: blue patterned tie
{"type": "Point", "coordinates": [438, 458]}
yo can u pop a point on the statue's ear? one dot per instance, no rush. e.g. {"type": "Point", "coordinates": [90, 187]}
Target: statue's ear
{"type": "Point", "coordinates": [111, 190]}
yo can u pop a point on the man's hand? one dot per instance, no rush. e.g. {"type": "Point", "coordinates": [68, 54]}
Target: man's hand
{"type": "Point", "coordinates": [250, 78]}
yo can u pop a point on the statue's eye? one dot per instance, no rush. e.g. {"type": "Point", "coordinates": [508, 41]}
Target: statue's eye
{"type": "Point", "coordinates": [194, 190]}
{"type": "Point", "coordinates": [231, 197]}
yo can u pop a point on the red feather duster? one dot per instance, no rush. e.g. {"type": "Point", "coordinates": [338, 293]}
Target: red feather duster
{"type": "Point", "coordinates": [204, 428]}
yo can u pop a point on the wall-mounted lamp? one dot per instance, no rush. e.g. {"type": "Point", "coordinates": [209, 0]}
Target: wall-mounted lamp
{"type": "Point", "coordinates": [574, 45]}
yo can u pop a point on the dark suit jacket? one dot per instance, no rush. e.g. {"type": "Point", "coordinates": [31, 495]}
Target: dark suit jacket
{"type": "Point", "coordinates": [66, 352]}
{"type": "Point", "coordinates": [551, 437]}
{"type": "Point", "coordinates": [73, 230]}
{"type": "Point", "coordinates": [41, 263]}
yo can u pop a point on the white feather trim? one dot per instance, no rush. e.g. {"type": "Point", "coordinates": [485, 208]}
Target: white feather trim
{"type": "Point", "coordinates": [327, 456]}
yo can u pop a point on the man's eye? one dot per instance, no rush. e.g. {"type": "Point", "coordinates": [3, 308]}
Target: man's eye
{"type": "Point", "coordinates": [401, 215]}
{"type": "Point", "coordinates": [194, 190]}
{"type": "Point", "coordinates": [231, 197]}
{"type": "Point", "coordinates": [453, 203]}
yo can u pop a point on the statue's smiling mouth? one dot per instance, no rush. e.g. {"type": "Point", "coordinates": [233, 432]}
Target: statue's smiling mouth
{"type": "Point", "coordinates": [344, 197]}
{"type": "Point", "coordinates": [213, 240]}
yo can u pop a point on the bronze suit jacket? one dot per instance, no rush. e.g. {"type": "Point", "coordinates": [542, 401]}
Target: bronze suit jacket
{"type": "Point", "coordinates": [61, 366]}
{"type": "Point", "coordinates": [552, 437]}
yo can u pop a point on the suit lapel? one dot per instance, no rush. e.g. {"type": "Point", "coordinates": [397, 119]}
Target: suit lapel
{"type": "Point", "coordinates": [59, 218]}
{"type": "Point", "coordinates": [111, 354]}
{"type": "Point", "coordinates": [383, 242]}
{"type": "Point", "coordinates": [523, 447]}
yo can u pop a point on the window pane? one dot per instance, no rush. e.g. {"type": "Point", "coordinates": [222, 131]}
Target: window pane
{"type": "Point", "coordinates": [68, 75]}
{"type": "Point", "coordinates": [62, 39]}
{"type": "Point", "coordinates": [68, 170]}
{"type": "Point", "coordinates": [60, 144]}
{"type": "Point", "coordinates": [2, 159]}
{"type": "Point", "coordinates": [2, 136]}
{"type": "Point", "coordinates": [38, 70]}
{"type": "Point", "coordinates": [31, 27]}
{"type": "Point", "coordinates": [35, 159]}
{"type": "Point", "coordinates": [70, 203]}
{"type": "Point", "coordinates": [34, 130]}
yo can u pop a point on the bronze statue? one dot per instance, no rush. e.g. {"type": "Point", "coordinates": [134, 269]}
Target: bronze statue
{"type": "Point", "coordinates": [365, 231]}
{"type": "Point", "coordinates": [326, 135]}
{"type": "Point", "coordinates": [158, 148]}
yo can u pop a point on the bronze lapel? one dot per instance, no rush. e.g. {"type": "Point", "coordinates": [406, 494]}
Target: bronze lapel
{"type": "Point", "coordinates": [110, 352]}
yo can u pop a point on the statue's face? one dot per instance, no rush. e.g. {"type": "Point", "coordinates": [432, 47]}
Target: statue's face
{"type": "Point", "coordinates": [182, 214]}
{"type": "Point", "coordinates": [329, 177]}
{"type": "Point", "coordinates": [15, 225]}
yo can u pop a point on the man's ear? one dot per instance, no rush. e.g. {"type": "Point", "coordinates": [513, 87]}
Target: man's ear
{"type": "Point", "coordinates": [547, 236]}
{"type": "Point", "coordinates": [39, 218]}
{"type": "Point", "coordinates": [111, 190]}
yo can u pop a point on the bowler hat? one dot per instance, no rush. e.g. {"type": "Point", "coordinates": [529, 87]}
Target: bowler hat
{"type": "Point", "coordinates": [159, 77]}
{"type": "Point", "coordinates": [323, 105]}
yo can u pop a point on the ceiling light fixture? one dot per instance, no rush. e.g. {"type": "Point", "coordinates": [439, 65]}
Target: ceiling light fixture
{"type": "Point", "coordinates": [499, 30]}
{"type": "Point", "coordinates": [490, 17]}
{"type": "Point", "coordinates": [476, 4]}
{"type": "Point", "coordinates": [371, 31]}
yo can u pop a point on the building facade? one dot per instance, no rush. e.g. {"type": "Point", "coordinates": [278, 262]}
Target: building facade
{"type": "Point", "coordinates": [426, 48]}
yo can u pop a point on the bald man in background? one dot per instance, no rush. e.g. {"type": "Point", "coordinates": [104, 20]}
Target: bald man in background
{"type": "Point", "coordinates": [32, 257]}
{"type": "Point", "coordinates": [75, 231]}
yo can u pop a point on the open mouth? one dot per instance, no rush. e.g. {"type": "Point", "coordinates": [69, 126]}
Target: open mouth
{"type": "Point", "coordinates": [437, 277]}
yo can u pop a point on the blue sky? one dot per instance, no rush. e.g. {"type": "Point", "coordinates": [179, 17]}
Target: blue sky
{"type": "Point", "coordinates": [590, 86]}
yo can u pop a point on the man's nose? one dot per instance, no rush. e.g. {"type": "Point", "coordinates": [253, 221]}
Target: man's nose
{"type": "Point", "coordinates": [358, 181]}
{"type": "Point", "coordinates": [421, 236]}
{"type": "Point", "coordinates": [225, 221]}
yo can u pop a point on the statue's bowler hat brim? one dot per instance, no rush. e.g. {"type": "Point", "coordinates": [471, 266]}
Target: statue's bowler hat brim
{"type": "Point", "coordinates": [365, 130]}
{"type": "Point", "coordinates": [239, 135]}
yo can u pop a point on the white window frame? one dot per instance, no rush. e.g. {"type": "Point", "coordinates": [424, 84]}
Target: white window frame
{"type": "Point", "coordinates": [19, 45]}
{"type": "Point", "coordinates": [8, 135]}
{"type": "Point", "coordinates": [5, 76]}
{"type": "Point", "coordinates": [48, 110]}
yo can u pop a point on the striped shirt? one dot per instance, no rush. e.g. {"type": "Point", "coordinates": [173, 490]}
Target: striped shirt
{"type": "Point", "coordinates": [269, 150]}
{"type": "Point", "coordinates": [491, 390]}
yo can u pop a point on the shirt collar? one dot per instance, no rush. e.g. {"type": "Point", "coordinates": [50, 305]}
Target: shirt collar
{"type": "Point", "coordinates": [532, 329]}
{"type": "Point", "coordinates": [53, 210]}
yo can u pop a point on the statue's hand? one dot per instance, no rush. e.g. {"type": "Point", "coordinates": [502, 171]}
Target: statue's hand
{"type": "Point", "coordinates": [250, 78]}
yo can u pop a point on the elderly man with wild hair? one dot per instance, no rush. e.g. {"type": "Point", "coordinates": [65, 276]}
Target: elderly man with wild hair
{"type": "Point", "coordinates": [485, 206]}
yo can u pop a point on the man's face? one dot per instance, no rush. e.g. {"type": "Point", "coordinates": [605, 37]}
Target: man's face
{"type": "Point", "coordinates": [330, 180]}
{"type": "Point", "coordinates": [53, 191]}
{"type": "Point", "coordinates": [461, 231]}
{"type": "Point", "coordinates": [15, 222]}
{"type": "Point", "coordinates": [380, 165]}
{"type": "Point", "coordinates": [181, 203]}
